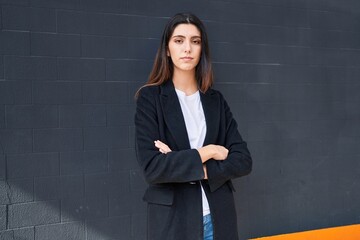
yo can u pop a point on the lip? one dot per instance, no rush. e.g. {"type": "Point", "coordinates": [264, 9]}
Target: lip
{"type": "Point", "coordinates": [187, 58]}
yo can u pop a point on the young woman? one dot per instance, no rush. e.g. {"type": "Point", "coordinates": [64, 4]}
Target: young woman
{"type": "Point", "coordinates": [187, 142]}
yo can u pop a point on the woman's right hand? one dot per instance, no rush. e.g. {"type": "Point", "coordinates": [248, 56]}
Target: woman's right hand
{"type": "Point", "coordinates": [212, 151]}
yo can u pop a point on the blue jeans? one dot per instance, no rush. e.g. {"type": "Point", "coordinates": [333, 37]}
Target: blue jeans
{"type": "Point", "coordinates": [208, 227]}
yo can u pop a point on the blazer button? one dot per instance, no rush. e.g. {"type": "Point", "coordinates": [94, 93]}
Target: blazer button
{"type": "Point", "coordinates": [192, 182]}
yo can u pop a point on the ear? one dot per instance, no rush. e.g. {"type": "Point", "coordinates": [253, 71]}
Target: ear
{"type": "Point", "coordinates": [168, 53]}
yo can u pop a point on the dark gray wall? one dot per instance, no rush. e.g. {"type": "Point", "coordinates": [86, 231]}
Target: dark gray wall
{"type": "Point", "coordinates": [289, 69]}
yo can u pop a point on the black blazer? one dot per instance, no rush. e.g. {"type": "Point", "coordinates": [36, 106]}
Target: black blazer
{"type": "Point", "coordinates": [174, 193]}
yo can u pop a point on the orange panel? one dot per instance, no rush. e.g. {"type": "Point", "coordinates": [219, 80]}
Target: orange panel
{"type": "Point", "coordinates": [351, 232]}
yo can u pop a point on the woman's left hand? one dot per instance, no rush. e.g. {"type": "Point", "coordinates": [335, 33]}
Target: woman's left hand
{"type": "Point", "coordinates": [163, 148]}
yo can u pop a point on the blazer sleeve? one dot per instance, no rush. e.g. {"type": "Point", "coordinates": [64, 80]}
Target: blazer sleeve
{"type": "Point", "coordinates": [175, 166]}
{"type": "Point", "coordinates": [238, 162]}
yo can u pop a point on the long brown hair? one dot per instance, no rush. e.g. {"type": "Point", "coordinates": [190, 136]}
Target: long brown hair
{"type": "Point", "coordinates": [163, 68]}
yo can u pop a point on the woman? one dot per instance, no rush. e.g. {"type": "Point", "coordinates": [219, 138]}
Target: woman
{"type": "Point", "coordinates": [187, 142]}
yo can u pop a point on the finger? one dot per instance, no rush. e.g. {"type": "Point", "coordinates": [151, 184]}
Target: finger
{"type": "Point", "coordinates": [163, 151]}
{"type": "Point", "coordinates": [167, 149]}
{"type": "Point", "coordinates": [162, 145]}
{"type": "Point", "coordinates": [159, 144]}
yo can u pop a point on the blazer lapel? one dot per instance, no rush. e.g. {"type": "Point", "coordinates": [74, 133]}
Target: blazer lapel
{"type": "Point", "coordinates": [211, 105]}
{"type": "Point", "coordinates": [173, 115]}
{"type": "Point", "coordinates": [175, 120]}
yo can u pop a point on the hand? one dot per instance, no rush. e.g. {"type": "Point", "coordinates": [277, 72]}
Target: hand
{"type": "Point", "coordinates": [220, 152]}
{"type": "Point", "coordinates": [163, 148]}
{"type": "Point", "coordinates": [212, 151]}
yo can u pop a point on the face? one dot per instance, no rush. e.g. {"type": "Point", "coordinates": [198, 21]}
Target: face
{"type": "Point", "coordinates": [184, 47]}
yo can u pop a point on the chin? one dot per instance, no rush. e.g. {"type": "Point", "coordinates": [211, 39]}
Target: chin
{"type": "Point", "coordinates": [188, 68]}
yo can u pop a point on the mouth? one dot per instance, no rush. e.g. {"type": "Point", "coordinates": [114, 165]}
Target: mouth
{"type": "Point", "coordinates": [187, 58]}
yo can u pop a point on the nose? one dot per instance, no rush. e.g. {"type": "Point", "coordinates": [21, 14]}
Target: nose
{"type": "Point", "coordinates": [187, 46]}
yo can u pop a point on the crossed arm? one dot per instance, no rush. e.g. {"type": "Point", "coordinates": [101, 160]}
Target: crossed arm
{"type": "Point", "coordinates": [211, 151]}
{"type": "Point", "coordinates": [160, 164]}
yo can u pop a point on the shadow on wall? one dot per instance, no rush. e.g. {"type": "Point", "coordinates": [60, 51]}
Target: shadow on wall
{"type": "Point", "coordinates": [94, 205]}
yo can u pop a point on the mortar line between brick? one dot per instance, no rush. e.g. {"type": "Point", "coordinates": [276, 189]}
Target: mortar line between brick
{"type": "Point", "coordinates": [1, 12]}
{"type": "Point", "coordinates": [2, 146]}
{"type": "Point", "coordinates": [58, 115]}
{"type": "Point", "coordinates": [59, 176]}
{"type": "Point", "coordinates": [7, 217]}
{"type": "Point", "coordinates": [5, 166]}
{"type": "Point", "coordinates": [34, 232]}
{"type": "Point", "coordinates": [86, 229]}
{"type": "Point", "coordinates": [56, 20]}
{"type": "Point", "coordinates": [7, 192]}
{"type": "Point", "coordinates": [83, 141]}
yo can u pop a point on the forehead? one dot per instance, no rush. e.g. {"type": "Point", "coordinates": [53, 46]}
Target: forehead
{"type": "Point", "coordinates": [186, 30]}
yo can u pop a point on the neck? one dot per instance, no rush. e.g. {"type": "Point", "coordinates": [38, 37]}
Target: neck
{"type": "Point", "coordinates": [185, 81]}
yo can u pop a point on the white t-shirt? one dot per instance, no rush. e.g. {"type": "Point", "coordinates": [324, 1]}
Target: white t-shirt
{"type": "Point", "coordinates": [195, 126]}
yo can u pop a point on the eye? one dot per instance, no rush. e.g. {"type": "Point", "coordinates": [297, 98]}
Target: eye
{"type": "Point", "coordinates": [178, 40]}
{"type": "Point", "coordinates": [197, 41]}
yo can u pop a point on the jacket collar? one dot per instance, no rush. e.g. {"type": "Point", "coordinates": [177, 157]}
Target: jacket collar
{"type": "Point", "coordinates": [175, 120]}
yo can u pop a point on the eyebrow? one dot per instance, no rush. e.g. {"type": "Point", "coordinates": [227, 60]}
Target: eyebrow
{"type": "Point", "coordinates": [181, 36]}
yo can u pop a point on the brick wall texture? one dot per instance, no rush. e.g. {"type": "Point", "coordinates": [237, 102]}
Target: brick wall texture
{"type": "Point", "coordinates": [69, 69]}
